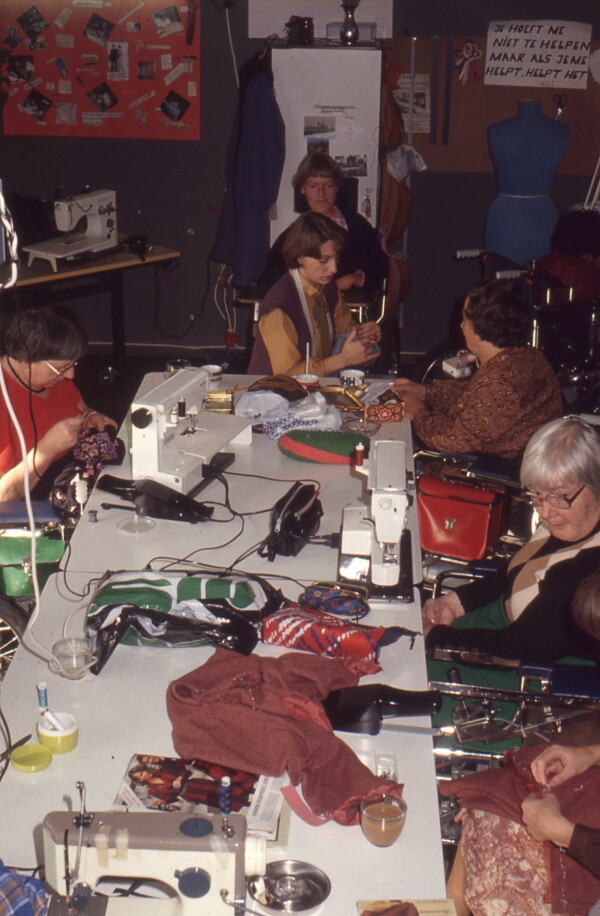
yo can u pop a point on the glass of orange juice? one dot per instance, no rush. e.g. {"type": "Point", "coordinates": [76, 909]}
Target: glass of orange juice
{"type": "Point", "coordinates": [382, 818]}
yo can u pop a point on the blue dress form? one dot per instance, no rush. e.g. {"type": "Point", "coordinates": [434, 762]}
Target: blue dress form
{"type": "Point", "coordinates": [526, 151]}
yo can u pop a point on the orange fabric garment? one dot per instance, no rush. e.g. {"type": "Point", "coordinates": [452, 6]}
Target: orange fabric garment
{"type": "Point", "coordinates": [496, 411]}
{"type": "Point", "coordinates": [254, 713]}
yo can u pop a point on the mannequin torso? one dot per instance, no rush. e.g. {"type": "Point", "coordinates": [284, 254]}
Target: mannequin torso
{"type": "Point", "coordinates": [526, 151]}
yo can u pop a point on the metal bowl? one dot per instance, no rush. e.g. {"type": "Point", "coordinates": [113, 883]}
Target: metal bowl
{"type": "Point", "coordinates": [290, 886]}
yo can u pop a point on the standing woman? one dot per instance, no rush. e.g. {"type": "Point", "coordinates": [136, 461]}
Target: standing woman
{"type": "Point", "coordinates": [41, 349]}
{"type": "Point", "coordinates": [305, 309]}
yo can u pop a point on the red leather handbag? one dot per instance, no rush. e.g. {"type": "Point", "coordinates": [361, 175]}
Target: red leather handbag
{"type": "Point", "coordinates": [458, 521]}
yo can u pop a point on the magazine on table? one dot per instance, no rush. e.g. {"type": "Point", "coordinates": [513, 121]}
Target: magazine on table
{"type": "Point", "coordinates": [156, 783]}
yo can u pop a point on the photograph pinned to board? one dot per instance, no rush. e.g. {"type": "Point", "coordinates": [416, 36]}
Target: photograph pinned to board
{"type": "Point", "coordinates": [417, 88]}
{"type": "Point", "coordinates": [121, 70]}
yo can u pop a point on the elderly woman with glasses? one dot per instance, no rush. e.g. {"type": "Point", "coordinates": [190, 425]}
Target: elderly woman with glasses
{"type": "Point", "coordinates": [41, 350]}
{"type": "Point", "coordinates": [525, 613]}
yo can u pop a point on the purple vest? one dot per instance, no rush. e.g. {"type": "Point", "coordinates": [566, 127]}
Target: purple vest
{"type": "Point", "coordinates": [284, 295]}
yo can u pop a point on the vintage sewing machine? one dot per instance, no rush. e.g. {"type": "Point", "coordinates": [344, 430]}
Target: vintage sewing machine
{"type": "Point", "coordinates": [172, 437]}
{"type": "Point", "coordinates": [375, 540]}
{"type": "Point", "coordinates": [177, 863]}
{"type": "Point", "coordinates": [89, 223]}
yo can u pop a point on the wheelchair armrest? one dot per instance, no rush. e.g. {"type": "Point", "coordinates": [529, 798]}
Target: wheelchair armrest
{"type": "Point", "coordinates": [13, 513]}
{"type": "Point", "coordinates": [477, 465]}
{"type": "Point", "coordinates": [577, 681]}
{"type": "Point", "coordinates": [477, 569]}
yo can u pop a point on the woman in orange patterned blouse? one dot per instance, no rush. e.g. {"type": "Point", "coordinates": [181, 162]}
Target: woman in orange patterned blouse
{"type": "Point", "coordinates": [512, 393]}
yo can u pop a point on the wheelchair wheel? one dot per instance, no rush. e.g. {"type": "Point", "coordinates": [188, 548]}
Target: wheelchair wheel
{"type": "Point", "coordinates": [13, 621]}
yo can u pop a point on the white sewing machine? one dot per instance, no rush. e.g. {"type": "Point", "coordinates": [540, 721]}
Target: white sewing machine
{"type": "Point", "coordinates": [187, 863]}
{"type": "Point", "coordinates": [89, 222]}
{"type": "Point", "coordinates": [172, 437]}
{"type": "Point", "coordinates": [373, 537]}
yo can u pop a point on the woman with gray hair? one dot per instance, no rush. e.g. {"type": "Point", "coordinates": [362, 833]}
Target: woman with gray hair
{"type": "Point", "coordinates": [525, 612]}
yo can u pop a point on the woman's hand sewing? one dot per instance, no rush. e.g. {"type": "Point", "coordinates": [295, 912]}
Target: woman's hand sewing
{"type": "Point", "coordinates": [544, 820]}
{"type": "Point", "coordinates": [404, 386]}
{"type": "Point", "coordinates": [60, 438]}
{"type": "Point", "coordinates": [94, 419]}
{"type": "Point", "coordinates": [355, 350]}
{"type": "Point", "coordinates": [349, 280]}
{"type": "Point", "coordinates": [556, 764]}
{"type": "Point", "coordinates": [370, 331]}
{"type": "Point", "coordinates": [442, 610]}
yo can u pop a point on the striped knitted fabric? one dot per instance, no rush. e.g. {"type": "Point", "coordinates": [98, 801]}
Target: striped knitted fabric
{"type": "Point", "coordinates": [321, 446]}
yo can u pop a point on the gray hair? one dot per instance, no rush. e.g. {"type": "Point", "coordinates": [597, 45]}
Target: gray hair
{"type": "Point", "coordinates": [562, 452]}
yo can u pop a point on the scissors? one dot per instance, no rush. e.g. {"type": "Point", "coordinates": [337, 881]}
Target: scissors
{"type": "Point", "coordinates": [560, 100]}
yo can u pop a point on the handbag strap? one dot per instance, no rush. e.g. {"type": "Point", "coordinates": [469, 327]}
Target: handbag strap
{"type": "Point", "coordinates": [497, 497]}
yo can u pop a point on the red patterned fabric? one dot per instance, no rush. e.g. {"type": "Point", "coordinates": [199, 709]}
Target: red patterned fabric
{"type": "Point", "coordinates": [299, 627]}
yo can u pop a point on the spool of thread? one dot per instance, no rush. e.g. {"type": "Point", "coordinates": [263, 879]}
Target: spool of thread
{"type": "Point", "coordinates": [225, 795]}
{"type": "Point", "coordinates": [42, 695]}
{"type": "Point", "coordinates": [359, 455]}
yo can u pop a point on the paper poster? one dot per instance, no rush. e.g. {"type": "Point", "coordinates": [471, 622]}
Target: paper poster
{"type": "Point", "coordinates": [546, 53]}
{"type": "Point", "coordinates": [102, 69]}
{"type": "Point", "coordinates": [419, 89]}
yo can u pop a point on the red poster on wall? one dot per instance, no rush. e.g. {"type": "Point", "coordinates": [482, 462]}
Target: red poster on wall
{"type": "Point", "coordinates": [102, 68]}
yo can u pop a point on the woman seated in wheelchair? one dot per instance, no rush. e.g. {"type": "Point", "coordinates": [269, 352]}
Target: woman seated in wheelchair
{"type": "Point", "coordinates": [512, 393]}
{"type": "Point", "coordinates": [525, 613]}
{"type": "Point", "coordinates": [530, 843]}
{"type": "Point", "coordinates": [40, 352]}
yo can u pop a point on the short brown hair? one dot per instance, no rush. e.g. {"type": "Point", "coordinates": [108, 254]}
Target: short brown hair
{"type": "Point", "coordinates": [499, 313]}
{"type": "Point", "coordinates": [585, 606]}
{"type": "Point", "coordinates": [34, 335]}
{"type": "Point", "coordinates": [306, 235]}
{"type": "Point", "coordinates": [317, 165]}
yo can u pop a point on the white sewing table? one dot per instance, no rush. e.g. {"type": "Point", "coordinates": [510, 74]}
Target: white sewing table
{"type": "Point", "coordinates": [122, 711]}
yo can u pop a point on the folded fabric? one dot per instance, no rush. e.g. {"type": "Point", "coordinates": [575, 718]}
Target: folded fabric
{"type": "Point", "coordinates": [311, 630]}
{"type": "Point", "coordinates": [322, 447]}
{"type": "Point", "coordinates": [265, 715]}
{"type": "Point", "coordinates": [502, 790]}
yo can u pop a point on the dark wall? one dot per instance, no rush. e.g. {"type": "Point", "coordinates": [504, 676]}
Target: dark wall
{"type": "Point", "coordinates": [450, 209]}
{"type": "Point", "coordinates": [172, 191]}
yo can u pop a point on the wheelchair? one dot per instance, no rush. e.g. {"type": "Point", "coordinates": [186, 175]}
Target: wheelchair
{"type": "Point", "coordinates": [16, 584]}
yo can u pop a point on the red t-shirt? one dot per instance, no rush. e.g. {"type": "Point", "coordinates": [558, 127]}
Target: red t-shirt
{"type": "Point", "coordinates": [61, 403]}
{"type": "Point", "coordinates": [579, 273]}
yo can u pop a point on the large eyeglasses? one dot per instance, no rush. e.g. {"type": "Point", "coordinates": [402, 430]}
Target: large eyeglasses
{"type": "Point", "coordinates": [556, 500]}
{"type": "Point", "coordinates": [62, 371]}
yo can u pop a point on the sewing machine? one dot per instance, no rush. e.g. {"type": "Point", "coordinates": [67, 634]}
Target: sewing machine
{"type": "Point", "coordinates": [375, 540]}
{"type": "Point", "coordinates": [198, 863]}
{"type": "Point", "coordinates": [172, 437]}
{"type": "Point", "coordinates": [89, 222]}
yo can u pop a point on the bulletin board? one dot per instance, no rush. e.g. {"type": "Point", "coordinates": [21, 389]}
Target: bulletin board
{"type": "Point", "coordinates": [102, 68]}
{"type": "Point", "coordinates": [459, 113]}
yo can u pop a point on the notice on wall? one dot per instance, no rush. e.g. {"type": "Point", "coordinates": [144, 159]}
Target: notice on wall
{"type": "Point", "coordinates": [547, 53]}
{"type": "Point", "coordinates": [102, 68]}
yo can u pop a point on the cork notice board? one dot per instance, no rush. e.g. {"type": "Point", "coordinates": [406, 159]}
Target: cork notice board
{"type": "Point", "coordinates": [460, 115]}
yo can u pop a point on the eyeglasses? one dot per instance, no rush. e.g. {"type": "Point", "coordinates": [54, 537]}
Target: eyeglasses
{"type": "Point", "coordinates": [62, 371]}
{"type": "Point", "coordinates": [556, 500]}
